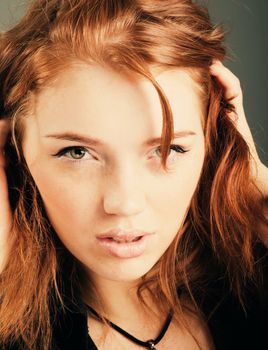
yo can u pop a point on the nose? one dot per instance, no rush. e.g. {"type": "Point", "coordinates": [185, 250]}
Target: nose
{"type": "Point", "coordinates": [124, 194]}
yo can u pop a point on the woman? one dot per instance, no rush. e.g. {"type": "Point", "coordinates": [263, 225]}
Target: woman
{"type": "Point", "coordinates": [132, 196]}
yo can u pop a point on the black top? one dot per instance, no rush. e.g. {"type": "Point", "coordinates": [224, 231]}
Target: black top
{"type": "Point", "coordinates": [231, 328]}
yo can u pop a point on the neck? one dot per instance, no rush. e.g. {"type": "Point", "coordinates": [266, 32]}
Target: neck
{"type": "Point", "coordinates": [119, 300]}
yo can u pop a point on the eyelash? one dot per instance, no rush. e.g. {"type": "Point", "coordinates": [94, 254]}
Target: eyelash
{"type": "Point", "coordinates": [64, 151]}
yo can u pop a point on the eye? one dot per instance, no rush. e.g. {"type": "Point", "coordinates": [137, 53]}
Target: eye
{"type": "Point", "coordinates": [77, 153]}
{"type": "Point", "coordinates": [176, 148]}
{"type": "Point", "coordinates": [73, 153]}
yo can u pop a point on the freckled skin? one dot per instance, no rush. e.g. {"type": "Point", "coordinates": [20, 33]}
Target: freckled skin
{"type": "Point", "coordinates": [121, 184]}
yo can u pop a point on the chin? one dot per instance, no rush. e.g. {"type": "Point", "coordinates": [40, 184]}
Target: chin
{"type": "Point", "coordinates": [129, 272]}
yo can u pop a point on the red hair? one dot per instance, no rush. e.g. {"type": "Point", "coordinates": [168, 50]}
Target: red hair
{"type": "Point", "coordinates": [127, 36]}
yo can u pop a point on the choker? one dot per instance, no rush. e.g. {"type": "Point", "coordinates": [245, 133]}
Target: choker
{"type": "Point", "coordinates": [149, 344]}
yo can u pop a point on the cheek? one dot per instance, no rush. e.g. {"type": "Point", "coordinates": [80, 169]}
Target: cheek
{"type": "Point", "coordinates": [69, 205]}
{"type": "Point", "coordinates": [173, 208]}
{"type": "Point", "coordinates": [174, 200]}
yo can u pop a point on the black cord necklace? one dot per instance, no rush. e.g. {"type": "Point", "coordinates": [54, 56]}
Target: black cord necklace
{"type": "Point", "coordinates": [149, 344]}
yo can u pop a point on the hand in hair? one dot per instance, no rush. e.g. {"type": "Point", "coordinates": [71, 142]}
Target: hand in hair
{"type": "Point", "coordinates": [5, 210]}
{"type": "Point", "coordinates": [233, 93]}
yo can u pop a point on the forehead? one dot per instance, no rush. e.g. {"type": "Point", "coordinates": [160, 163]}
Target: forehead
{"type": "Point", "coordinates": [101, 97]}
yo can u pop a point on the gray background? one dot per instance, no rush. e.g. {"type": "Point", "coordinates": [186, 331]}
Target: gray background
{"type": "Point", "coordinates": [247, 44]}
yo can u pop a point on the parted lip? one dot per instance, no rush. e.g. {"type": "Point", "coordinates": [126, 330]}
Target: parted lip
{"type": "Point", "coordinates": [123, 234]}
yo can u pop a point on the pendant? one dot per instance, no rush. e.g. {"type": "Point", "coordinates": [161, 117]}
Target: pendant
{"type": "Point", "coordinates": [151, 345]}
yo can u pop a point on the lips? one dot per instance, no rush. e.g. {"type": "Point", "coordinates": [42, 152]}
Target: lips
{"type": "Point", "coordinates": [120, 235]}
{"type": "Point", "coordinates": [123, 239]}
{"type": "Point", "coordinates": [124, 243]}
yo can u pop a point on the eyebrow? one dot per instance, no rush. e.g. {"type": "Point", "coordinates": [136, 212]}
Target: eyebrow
{"type": "Point", "coordinates": [92, 141]}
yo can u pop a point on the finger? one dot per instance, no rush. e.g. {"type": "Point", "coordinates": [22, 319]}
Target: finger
{"type": "Point", "coordinates": [4, 131]}
{"type": "Point", "coordinates": [233, 93]}
{"type": "Point", "coordinates": [230, 83]}
{"type": "Point", "coordinates": [5, 212]}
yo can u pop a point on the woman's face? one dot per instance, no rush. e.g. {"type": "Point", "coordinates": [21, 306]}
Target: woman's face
{"type": "Point", "coordinates": [117, 182]}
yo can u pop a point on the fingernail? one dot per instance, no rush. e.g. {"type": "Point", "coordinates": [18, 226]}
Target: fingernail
{"type": "Point", "coordinates": [213, 67]}
{"type": "Point", "coordinates": [216, 62]}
